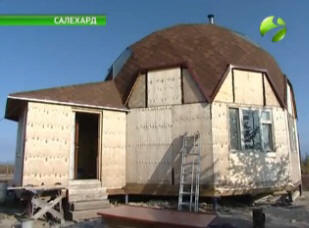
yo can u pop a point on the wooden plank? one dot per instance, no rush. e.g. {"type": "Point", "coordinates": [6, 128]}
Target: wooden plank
{"type": "Point", "coordinates": [48, 144]}
{"type": "Point", "coordinates": [151, 216]}
{"type": "Point", "coordinates": [113, 149]}
{"type": "Point", "coordinates": [85, 214]}
{"type": "Point", "coordinates": [248, 87]}
{"type": "Point", "coordinates": [86, 194]}
{"type": "Point", "coordinates": [270, 97]}
{"type": "Point", "coordinates": [84, 184]}
{"type": "Point", "coordinates": [191, 92]}
{"type": "Point", "coordinates": [115, 191]}
{"type": "Point", "coordinates": [90, 205]}
{"type": "Point", "coordinates": [225, 93]}
{"type": "Point", "coordinates": [38, 188]}
{"type": "Point", "coordinates": [164, 87]}
{"type": "Point", "coordinates": [164, 189]}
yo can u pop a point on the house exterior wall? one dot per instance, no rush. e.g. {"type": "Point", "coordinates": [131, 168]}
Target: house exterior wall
{"type": "Point", "coordinates": [113, 172]}
{"type": "Point", "coordinates": [174, 106]}
{"type": "Point", "coordinates": [140, 150]}
{"type": "Point", "coordinates": [19, 155]}
{"type": "Point", "coordinates": [238, 172]}
{"type": "Point", "coordinates": [154, 140]}
{"type": "Point", "coordinates": [47, 144]}
{"type": "Point", "coordinates": [295, 170]}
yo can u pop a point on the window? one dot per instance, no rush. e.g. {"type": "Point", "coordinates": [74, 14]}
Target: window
{"type": "Point", "coordinates": [234, 129]}
{"type": "Point", "coordinates": [250, 129]}
{"type": "Point", "coordinates": [267, 137]}
{"type": "Point", "coordinates": [292, 133]}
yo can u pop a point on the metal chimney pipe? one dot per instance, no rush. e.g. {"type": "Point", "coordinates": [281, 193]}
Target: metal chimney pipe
{"type": "Point", "coordinates": [211, 18]}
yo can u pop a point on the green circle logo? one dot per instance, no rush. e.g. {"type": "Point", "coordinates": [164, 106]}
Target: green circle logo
{"type": "Point", "coordinates": [268, 25]}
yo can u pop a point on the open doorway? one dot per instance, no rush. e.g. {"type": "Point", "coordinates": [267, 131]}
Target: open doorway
{"type": "Point", "coordinates": [86, 145]}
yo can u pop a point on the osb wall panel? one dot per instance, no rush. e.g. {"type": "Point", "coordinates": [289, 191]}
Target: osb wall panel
{"type": "Point", "coordinates": [225, 93]}
{"type": "Point", "coordinates": [295, 172]}
{"type": "Point", "coordinates": [189, 119]}
{"type": "Point", "coordinates": [164, 87]}
{"type": "Point", "coordinates": [236, 170]}
{"type": "Point", "coordinates": [290, 102]}
{"type": "Point", "coordinates": [17, 181]}
{"type": "Point", "coordinates": [248, 87]}
{"type": "Point", "coordinates": [191, 92]}
{"type": "Point", "coordinates": [48, 144]}
{"type": "Point", "coordinates": [270, 96]}
{"type": "Point", "coordinates": [220, 140]}
{"type": "Point", "coordinates": [113, 149]}
{"type": "Point", "coordinates": [137, 97]}
{"type": "Point", "coordinates": [154, 139]}
{"type": "Point", "coordinates": [149, 148]}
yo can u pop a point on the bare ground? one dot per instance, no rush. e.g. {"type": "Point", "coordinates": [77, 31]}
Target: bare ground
{"type": "Point", "coordinates": [231, 213]}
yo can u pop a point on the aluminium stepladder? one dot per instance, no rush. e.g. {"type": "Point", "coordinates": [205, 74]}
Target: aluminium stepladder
{"type": "Point", "coordinates": [190, 173]}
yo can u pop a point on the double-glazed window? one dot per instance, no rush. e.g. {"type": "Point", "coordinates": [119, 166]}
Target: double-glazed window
{"type": "Point", "coordinates": [250, 129]}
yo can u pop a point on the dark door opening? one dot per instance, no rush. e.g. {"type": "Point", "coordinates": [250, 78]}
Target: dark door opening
{"type": "Point", "coordinates": [86, 145]}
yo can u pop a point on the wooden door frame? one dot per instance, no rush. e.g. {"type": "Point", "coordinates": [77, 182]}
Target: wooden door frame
{"type": "Point", "coordinates": [99, 153]}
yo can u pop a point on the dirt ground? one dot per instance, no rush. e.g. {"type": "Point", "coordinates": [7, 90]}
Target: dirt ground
{"type": "Point", "coordinates": [230, 213]}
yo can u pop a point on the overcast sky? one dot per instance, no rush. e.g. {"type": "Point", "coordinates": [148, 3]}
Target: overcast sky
{"type": "Point", "coordinates": [42, 57]}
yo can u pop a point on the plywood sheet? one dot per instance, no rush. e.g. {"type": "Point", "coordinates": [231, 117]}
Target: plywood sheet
{"type": "Point", "coordinates": [154, 139]}
{"type": "Point", "coordinates": [295, 172]}
{"type": "Point", "coordinates": [281, 142]}
{"type": "Point", "coordinates": [48, 144]}
{"type": "Point", "coordinates": [18, 170]}
{"type": "Point", "coordinates": [270, 97]}
{"type": "Point", "coordinates": [113, 149]}
{"type": "Point", "coordinates": [290, 102]}
{"type": "Point", "coordinates": [149, 145]}
{"type": "Point", "coordinates": [164, 87]}
{"type": "Point", "coordinates": [248, 87]}
{"type": "Point", "coordinates": [225, 93]}
{"type": "Point", "coordinates": [220, 140]}
{"type": "Point", "coordinates": [188, 119]}
{"type": "Point", "coordinates": [191, 92]}
{"type": "Point", "coordinates": [137, 98]}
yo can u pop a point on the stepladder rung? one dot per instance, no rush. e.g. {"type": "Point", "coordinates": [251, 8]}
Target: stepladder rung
{"type": "Point", "coordinates": [185, 203]}
{"type": "Point", "coordinates": [186, 193]}
{"type": "Point", "coordinates": [192, 154]}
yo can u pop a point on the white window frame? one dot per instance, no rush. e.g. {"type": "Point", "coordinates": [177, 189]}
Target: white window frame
{"type": "Point", "coordinates": [261, 122]}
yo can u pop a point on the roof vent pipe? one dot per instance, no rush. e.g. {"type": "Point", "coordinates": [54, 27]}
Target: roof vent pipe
{"type": "Point", "coordinates": [211, 18]}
